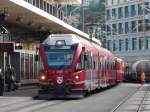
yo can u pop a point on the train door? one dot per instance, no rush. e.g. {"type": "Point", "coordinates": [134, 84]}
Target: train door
{"type": "Point", "coordinates": [104, 72]}
{"type": "Point", "coordinates": [89, 71]}
{"type": "Point", "coordinates": [100, 71]}
{"type": "Point", "coordinates": [95, 74]}
{"type": "Point", "coordinates": [113, 71]}
{"type": "Point", "coordinates": [87, 67]}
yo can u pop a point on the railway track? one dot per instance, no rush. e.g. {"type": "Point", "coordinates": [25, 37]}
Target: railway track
{"type": "Point", "coordinates": [15, 104]}
{"type": "Point", "coordinates": [135, 102]}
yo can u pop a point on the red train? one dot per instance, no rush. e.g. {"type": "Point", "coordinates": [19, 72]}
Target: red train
{"type": "Point", "coordinates": [75, 66]}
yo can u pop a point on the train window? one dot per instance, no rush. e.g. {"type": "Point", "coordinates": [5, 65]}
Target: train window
{"type": "Point", "coordinates": [104, 64]}
{"type": "Point", "coordinates": [94, 63]}
{"type": "Point", "coordinates": [100, 64]}
{"type": "Point", "coordinates": [85, 57]}
{"type": "Point", "coordinates": [113, 65]}
{"type": "Point", "coordinates": [79, 64]}
{"type": "Point", "coordinates": [86, 60]}
{"type": "Point", "coordinates": [90, 61]}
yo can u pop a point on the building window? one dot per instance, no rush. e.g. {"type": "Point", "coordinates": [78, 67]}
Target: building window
{"type": "Point", "coordinates": [126, 11]}
{"type": "Point", "coordinates": [34, 2]}
{"type": "Point", "coordinates": [54, 10]}
{"type": "Point", "coordinates": [142, 43]}
{"type": "Point", "coordinates": [108, 15]}
{"type": "Point", "coordinates": [41, 4]}
{"type": "Point", "coordinates": [120, 1]}
{"type": "Point", "coordinates": [109, 3]}
{"type": "Point", "coordinates": [133, 27]}
{"type": "Point", "coordinates": [127, 44]}
{"type": "Point", "coordinates": [134, 43]}
{"type": "Point", "coordinates": [147, 8]}
{"type": "Point", "coordinates": [115, 2]}
{"type": "Point", "coordinates": [133, 10]}
{"type": "Point", "coordinates": [51, 9]}
{"type": "Point", "coordinates": [112, 1]}
{"type": "Point", "coordinates": [147, 24]}
{"type": "Point", "coordinates": [114, 45]}
{"type": "Point", "coordinates": [114, 29]}
{"type": "Point", "coordinates": [109, 44]}
{"type": "Point", "coordinates": [44, 6]}
{"type": "Point", "coordinates": [48, 11]}
{"type": "Point", "coordinates": [114, 14]}
{"type": "Point", "coordinates": [140, 25]}
{"type": "Point", "coordinates": [120, 13]}
{"type": "Point", "coordinates": [108, 30]}
{"type": "Point", "coordinates": [121, 45]}
{"type": "Point", "coordinates": [147, 42]}
{"type": "Point", "coordinates": [140, 9]}
{"type": "Point", "coordinates": [120, 28]}
{"type": "Point", "coordinates": [126, 27]}
{"type": "Point", "coordinates": [30, 1]}
{"type": "Point", "coordinates": [37, 3]}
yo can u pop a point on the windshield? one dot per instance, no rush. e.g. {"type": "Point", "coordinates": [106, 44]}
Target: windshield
{"type": "Point", "coordinates": [59, 57]}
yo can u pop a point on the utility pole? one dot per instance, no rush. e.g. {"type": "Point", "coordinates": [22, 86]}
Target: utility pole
{"type": "Point", "coordinates": [82, 10]}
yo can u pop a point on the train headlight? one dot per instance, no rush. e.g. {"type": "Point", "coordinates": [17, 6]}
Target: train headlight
{"type": "Point", "coordinates": [77, 77]}
{"type": "Point", "coordinates": [43, 77]}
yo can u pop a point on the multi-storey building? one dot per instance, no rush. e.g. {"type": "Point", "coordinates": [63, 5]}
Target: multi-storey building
{"type": "Point", "coordinates": [128, 29]}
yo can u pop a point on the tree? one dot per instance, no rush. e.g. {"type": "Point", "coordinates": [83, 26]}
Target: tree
{"type": "Point", "coordinates": [97, 9]}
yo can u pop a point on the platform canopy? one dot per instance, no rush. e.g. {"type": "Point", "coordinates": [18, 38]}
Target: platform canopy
{"type": "Point", "coordinates": [29, 16]}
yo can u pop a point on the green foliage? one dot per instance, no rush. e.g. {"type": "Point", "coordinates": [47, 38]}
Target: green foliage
{"type": "Point", "coordinates": [97, 5]}
{"type": "Point", "coordinates": [96, 11]}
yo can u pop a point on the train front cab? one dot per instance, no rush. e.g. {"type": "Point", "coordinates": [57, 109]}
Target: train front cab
{"type": "Point", "coordinates": [63, 78]}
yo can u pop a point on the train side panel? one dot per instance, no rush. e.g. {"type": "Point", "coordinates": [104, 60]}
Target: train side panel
{"type": "Point", "coordinates": [119, 70]}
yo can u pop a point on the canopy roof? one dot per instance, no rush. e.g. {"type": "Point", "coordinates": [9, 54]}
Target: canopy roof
{"type": "Point", "coordinates": [37, 18]}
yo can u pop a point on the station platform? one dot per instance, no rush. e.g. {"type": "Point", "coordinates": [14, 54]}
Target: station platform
{"type": "Point", "coordinates": [136, 102]}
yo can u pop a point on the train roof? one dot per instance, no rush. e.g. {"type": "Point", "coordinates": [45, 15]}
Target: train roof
{"type": "Point", "coordinates": [71, 39]}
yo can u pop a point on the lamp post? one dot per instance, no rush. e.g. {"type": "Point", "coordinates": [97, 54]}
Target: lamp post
{"type": "Point", "coordinates": [83, 17]}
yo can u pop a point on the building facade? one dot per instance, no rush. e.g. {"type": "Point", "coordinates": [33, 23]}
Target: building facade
{"type": "Point", "coordinates": [86, 2]}
{"type": "Point", "coordinates": [128, 29]}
